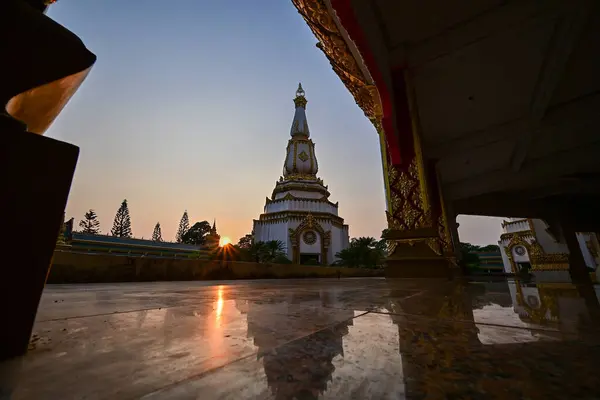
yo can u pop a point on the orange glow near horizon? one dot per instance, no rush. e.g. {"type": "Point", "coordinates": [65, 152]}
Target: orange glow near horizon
{"type": "Point", "coordinates": [224, 241]}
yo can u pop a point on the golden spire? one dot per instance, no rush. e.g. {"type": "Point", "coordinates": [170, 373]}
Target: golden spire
{"type": "Point", "coordinates": [300, 100]}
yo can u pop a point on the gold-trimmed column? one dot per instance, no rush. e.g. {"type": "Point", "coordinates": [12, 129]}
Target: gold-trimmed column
{"type": "Point", "coordinates": [417, 220]}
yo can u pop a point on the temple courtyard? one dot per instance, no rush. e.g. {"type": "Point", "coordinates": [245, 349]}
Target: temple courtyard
{"type": "Point", "coordinates": [363, 338]}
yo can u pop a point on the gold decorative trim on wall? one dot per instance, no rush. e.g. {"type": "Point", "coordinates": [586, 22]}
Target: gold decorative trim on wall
{"type": "Point", "coordinates": [538, 258]}
{"type": "Point", "coordinates": [291, 215]}
{"type": "Point", "coordinates": [406, 200]}
{"type": "Point", "coordinates": [333, 45]}
{"type": "Point", "coordinates": [309, 223]}
{"type": "Point", "coordinates": [314, 187]}
{"type": "Point", "coordinates": [291, 197]}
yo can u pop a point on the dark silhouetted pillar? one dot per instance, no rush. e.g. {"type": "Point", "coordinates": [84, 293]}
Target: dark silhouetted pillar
{"type": "Point", "coordinates": [43, 64]}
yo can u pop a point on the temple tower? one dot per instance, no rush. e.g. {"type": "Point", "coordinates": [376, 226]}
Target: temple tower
{"type": "Point", "coordinates": [299, 212]}
{"type": "Point", "coordinates": [213, 239]}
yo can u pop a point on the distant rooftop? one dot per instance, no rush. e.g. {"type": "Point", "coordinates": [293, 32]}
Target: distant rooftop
{"type": "Point", "coordinates": [106, 239]}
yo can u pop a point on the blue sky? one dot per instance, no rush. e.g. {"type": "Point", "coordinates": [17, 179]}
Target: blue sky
{"type": "Point", "coordinates": [189, 108]}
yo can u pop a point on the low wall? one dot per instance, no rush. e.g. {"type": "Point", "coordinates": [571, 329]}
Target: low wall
{"type": "Point", "coordinates": [70, 267]}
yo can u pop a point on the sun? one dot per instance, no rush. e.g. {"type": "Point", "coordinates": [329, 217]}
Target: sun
{"type": "Point", "coordinates": [224, 241]}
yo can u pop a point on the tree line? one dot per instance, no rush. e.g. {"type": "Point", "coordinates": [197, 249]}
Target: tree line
{"type": "Point", "coordinates": [363, 252]}
{"type": "Point", "coordinates": [195, 234]}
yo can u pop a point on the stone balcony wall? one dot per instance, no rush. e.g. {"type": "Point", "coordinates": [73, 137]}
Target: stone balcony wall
{"type": "Point", "coordinates": [70, 267]}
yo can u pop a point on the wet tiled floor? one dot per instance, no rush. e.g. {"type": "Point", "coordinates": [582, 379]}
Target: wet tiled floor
{"type": "Point", "coordinates": [309, 339]}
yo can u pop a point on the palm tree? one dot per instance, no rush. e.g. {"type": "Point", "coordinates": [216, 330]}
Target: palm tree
{"type": "Point", "coordinates": [364, 252]}
{"type": "Point", "coordinates": [264, 252]}
{"type": "Point", "coordinates": [273, 250]}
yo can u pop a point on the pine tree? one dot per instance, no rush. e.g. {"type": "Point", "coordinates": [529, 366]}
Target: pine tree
{"type": "Point", "coordinates": [122, 225]}
{"type": "Point", "coordinates": [157, 234]}
{"type": "Point", "coordinates": [90, 223]}
{"type": "Point", "coordinates": [184, 226]}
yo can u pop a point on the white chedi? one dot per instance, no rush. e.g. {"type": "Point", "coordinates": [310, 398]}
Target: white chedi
{"type": "Point", "coordinates": [299, 212]}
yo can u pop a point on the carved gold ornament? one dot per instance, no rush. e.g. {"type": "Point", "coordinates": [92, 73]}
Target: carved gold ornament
{"type": "Point", "coordinates": [305, 183]}
{"type": "Point", "coordinates": [538, 258]}
{"type": "Point", "coordinates": [309, 237]}
{"type": "Point", "coordinates": [303, 156]}
{"type": "Point", "coordinates": [301, 177]}
{"type": "Point", "coordinates": [300, 100]}
{"type": "Point", "coordinates": [290, 196]}
{"type": "Point", "coordinates": [408, 207]}
{"type": "Point", "coordinates": [406, 203]}
{"type": "Point", "coordinates": [309, 224]}
{"type": "Point", "coordinates": [542, 311]}
{"type": "Point", "coordinates": [338, 53]}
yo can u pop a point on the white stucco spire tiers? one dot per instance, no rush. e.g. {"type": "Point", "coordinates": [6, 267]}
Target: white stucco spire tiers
{"type": "Point", "coordinates": [300, 161]}
{"type": "Point", "coordinates": [299, 212]}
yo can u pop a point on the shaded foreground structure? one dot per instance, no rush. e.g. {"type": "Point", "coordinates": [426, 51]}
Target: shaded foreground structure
{"type": "Point", "coordinates": [349, 338]}
{"type": "Point", "coordinates": [482, 107]}
{"type": "Point", "coordinates": [43, 64]}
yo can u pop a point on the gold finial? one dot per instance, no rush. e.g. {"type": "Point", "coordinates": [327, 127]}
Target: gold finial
{"type": "Point", "coordinates": [300, 100]}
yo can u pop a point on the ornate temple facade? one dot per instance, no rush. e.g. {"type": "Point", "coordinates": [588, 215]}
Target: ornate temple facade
{"type": "Point", "coordinates": [299, 212]}
{"type": "Point", "coordinates": [529, 244]}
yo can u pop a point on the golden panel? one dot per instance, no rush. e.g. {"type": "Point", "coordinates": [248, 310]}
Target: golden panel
{"type": "Point", "coordinates": [520, 234]}
{"type": "Point", "coordinates": [406, 205]}
{"type": "Point", "coordinates": [410, 214]}
{"type": "Point", "coordinates": [406, 185]}
{"type": "Point", "coordinates": [300, 101]}
{"type": "Point", "coordinates": [286, 185]}
{"type": "Point", "coordinates": [309, 224]}
{"type": "Point", "coordinates": [295, 155]}
{"type": "Point", "coordinates": [550, 267]}
{"type": "Point", "coordinates": [301, 177]}
{"type": "Point", "coordinates": [300, 215]}
{"type": "Point", "coordinates": [303, 156]}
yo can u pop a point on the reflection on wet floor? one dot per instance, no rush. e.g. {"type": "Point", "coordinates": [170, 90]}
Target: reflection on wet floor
{"type": "Point", "coordinates": [309, 339]}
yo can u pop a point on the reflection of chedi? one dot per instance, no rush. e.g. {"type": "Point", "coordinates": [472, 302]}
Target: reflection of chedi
{"type": "Point", "coordinates": [299, 212]}
{"type": "Point", "coordinates": [302, 368]}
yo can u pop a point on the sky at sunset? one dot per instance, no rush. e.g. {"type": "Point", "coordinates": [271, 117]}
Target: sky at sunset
{"type": "Point", "coordinates": [189, 107]}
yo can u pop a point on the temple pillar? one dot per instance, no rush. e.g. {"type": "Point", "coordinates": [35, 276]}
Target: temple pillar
{"type": "Point", "coordinates": [453, 226]}
{"type": "Point", "coordinates": [577, 267]}
{"type": "Point", "coordinates": [417, 223]}
{"type": "Point", "coordinates": [578, 270]}
{"type": "Point", "coordinates": [418, 227]}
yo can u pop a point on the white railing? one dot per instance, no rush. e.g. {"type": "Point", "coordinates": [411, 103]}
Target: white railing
{"type": "Point", "coordinates": [519, 225]}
